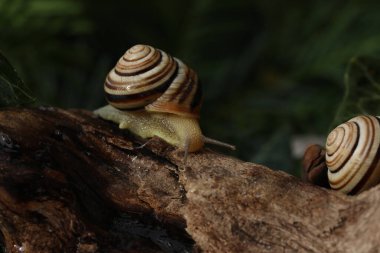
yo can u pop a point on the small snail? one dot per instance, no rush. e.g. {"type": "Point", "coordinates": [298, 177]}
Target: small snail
{"type": "Point", "coordinates": [153, 94]}
{"type": "Point", "coordinates": [353, 155]}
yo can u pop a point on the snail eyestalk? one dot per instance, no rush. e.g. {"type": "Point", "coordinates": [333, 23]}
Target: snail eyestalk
{"type": "Point", "coordinates": [218, 143]}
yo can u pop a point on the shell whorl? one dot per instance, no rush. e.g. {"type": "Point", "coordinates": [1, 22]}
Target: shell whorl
{"type": "Point", "coordinates": [146, 77]}
{"type": "Point", "coordinates": [352, 154]}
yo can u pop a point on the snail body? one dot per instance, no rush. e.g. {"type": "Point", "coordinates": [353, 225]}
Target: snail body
{"type": "Point", "coordinates": [353, 155]}
{"type": "Point", "coordinates": [151, 94]}
{"type": "Point", "coordinates": [183, 133]}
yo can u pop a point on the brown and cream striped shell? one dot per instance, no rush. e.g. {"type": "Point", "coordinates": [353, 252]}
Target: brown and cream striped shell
{"type": "Point", "coordinates": [146, 77]}
{"type": "Point", "coordinates": [352, 155]}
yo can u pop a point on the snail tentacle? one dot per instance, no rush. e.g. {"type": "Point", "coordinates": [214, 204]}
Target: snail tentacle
{"type": "Point", "coordinates": [218, 143]}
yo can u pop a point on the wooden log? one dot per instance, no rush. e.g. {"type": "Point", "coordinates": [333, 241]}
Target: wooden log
{"type": "Point", "coordinates": [70, 182]}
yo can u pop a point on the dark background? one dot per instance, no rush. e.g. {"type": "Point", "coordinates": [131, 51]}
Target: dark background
{"type": "Point", "coordinates": [271, 70]}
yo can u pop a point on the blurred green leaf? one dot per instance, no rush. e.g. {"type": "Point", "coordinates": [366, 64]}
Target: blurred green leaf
{"type": "Point", "coordinates": [362, 89]}
{"type": "Point", "coordinates": [13, 91]}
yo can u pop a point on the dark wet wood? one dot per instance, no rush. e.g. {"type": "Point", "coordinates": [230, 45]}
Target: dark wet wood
{"type": "Point", "coordinates": [70, 182]}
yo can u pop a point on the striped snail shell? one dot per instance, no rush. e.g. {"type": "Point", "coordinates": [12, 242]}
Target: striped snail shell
{"type": "Point", "coordinates": [352, 155]}
{"type": "Point", "coordinates": [146, 77]}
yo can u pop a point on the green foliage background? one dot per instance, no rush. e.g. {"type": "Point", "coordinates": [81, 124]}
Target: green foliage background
{"type": "Point", "coordinates": [270, 69]}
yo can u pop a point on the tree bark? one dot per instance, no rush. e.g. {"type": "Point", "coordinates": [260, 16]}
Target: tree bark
{"type": "Point", "coordinates": [70, 182]}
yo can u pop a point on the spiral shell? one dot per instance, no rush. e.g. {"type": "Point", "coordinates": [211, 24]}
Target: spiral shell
{"type": "Point", "coordinates": [146, 77]}
{"type": "Point", "coordinates": [352, 155]}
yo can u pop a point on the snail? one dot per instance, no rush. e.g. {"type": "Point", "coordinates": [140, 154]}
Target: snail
{"type": "Point", "coordinates": [151, 93]}
{"type": "Point", "coordinates": [353, 155]}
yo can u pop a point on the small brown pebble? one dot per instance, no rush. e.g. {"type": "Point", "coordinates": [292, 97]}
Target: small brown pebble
{"type": "Point", "coordinates": [314, 166]}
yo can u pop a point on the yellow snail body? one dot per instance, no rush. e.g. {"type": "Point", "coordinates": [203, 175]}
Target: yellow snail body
{"type": "Point", "coordinates": [353, 155]}
{"type": "Point", "coordinates": [173, 129]}
{"type": "Point", "coordinates": [153, 94]}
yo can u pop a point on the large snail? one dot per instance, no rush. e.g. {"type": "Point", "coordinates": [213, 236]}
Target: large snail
{"type": "Point", "coordinates": [153, 94]}
{"type": "Point", "coordinates": [353, 155]}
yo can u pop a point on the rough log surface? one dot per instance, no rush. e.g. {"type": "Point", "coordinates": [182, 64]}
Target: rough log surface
{"type": "Point", "coordinates": [70, 182]}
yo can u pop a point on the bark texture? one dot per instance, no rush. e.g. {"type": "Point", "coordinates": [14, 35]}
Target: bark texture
{"type": "Point", "coordinates": [70, 182]}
